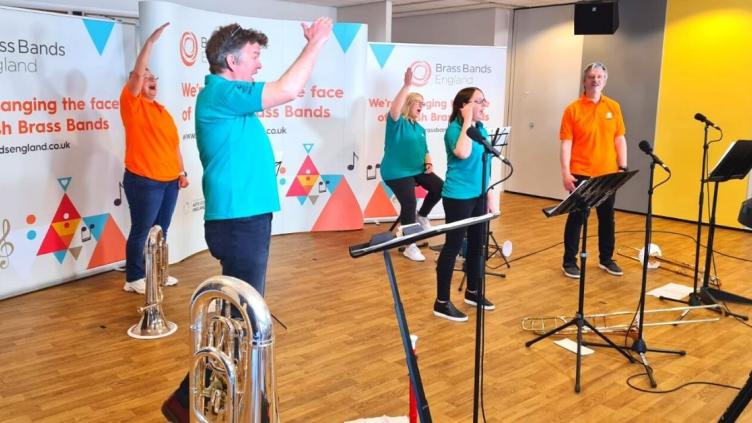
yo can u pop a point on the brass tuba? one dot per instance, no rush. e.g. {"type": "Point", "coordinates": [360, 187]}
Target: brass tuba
{"type": "Point", "coordinates": [153, 324]}
{"type": "Point", "coordinates": [232, 375]}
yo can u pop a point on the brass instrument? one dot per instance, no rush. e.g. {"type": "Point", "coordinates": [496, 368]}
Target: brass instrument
{"type": "Point", "coordinates": [657, 261]}
{"type": "Point", "coordinates": [615, 322]}
{"type": "Point", "coordinates": [153, 323]}
{"type": "Point", "coordinates": [232, 375]}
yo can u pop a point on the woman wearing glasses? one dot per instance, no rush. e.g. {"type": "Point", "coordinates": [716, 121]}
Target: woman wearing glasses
{"type": "Point", "coordinates": [407, 162]}
{"type": "Point", "coordinates": [153, 163]}
{"type": "Point", "coordinates": [462, 198]}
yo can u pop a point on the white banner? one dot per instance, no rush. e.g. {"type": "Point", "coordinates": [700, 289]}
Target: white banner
{"type": "Point", "coordinates": [439, 72]}
{"type": "Point", "coordinates": [313, 137]}
{"type": "Point", "coordinates": [61, 148]}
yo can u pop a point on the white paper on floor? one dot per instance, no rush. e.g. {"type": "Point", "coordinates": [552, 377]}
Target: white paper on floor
{"type": "Point", "coordinates": [673, 291]}
{"type": "Point", "coordinates": [571, 346]}
{"type": "Point", "coordinates": [382, 419]}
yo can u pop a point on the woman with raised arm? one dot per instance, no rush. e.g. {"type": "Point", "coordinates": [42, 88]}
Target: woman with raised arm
{"type": "Point", "coordinates": [407, 162]}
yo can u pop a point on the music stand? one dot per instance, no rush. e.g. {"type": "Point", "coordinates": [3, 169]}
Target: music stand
{"type": "Point", "coordinates": [736, 407]}
{"type": "Point", "coordinates": [735, 163]}
{"type": "Point", "coordinates": [590, 193]}
{"type": "Point", "coordinates": [384, 242]}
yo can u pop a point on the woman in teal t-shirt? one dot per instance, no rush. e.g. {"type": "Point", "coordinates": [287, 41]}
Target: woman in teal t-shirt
{"type": "Point", "coordinates": [406, 161]}
{"type": "Point", "coordinates": [463, 197]}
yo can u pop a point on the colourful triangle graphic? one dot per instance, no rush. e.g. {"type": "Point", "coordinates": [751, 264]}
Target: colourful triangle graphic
{"type": "Point", "coordinates": [307, 181]}
{"type": "Point", "coordinates": [60, 255]}
{"type": "Point", "coordinates": [51, 243]}
{"type": "Point", "coordinates": [420, 192]}
{"type": "Point", "coordinates": [66, 227]}
{"type": "Point", "coordinates": [65, 211]}
{"type": "Point", "coordinates": [98, 222]}
{"type": "Point", "coordinates": [75, 252]}
{"type": "Point", "coordinates": [296, 189]}
{"type": "Point", "coordinates": [382, 52]}
{"type": "Point", "coordinates": [341, 213]}
{"type": "Point", "coordinates": [313, 198]}
{"type": "Point", "coordinates": [111, 245]}
{"type": "Point", "coordinates": [64, 182]}
{"type": "Point", "coordinates": [308, 168]}
{"type": "Point", "coordinates": [345, 34]}
{"type": "Point", "coordinates": [66, 239]}
{"type": "Point", "coordinates": [379, 205]}
{"type": "Point", "coordinates": [331, 181]}
{"type": "Point", "coordinates": [301, 199]}
{"type": "Point", "coordinates": [308, 147]}
{"type": "Point", "coordinates": [99, 31]}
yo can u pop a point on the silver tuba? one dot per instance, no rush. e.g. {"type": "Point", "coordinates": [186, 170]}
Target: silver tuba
{"type": "Point", "coordinates": [232, 375]}
{"type": "Point", "coordinates": [153, 324]}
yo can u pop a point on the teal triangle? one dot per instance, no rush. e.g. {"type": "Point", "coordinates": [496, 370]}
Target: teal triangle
{"type": "Point", "coordinates": [308, 147]}
{"type": "Point", "coordinates": [345, 34]}
{"type": "Point", "coordinates": [382, 52]}
{"type": "Point", "coordinates": [64, 182]}
{"type": "Point", "coordinates": [389, 192]}
{"type": "Point", "coordinates": [60, 255]}
{"type": "Point", "coordinates": [99, 31]}
{"type": "Point", "coordinates": [331, 182]}
{"type": "Point", "coordinates": [96, 224]}
{"type": "Point", "coordinates": [301, 199]}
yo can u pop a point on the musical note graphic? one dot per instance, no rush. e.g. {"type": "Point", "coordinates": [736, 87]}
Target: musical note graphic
{"type": "Point", "coordinates": [118, 201]}
{"type": "Point", "coordinates": [323, 186]}
{"type": "Point", "coordinates": [86, 232]}
{"type": "Point", "coordinates": [278, 165]}
{"type": "Point", "coordinates": [354, 157]}
{"type": "Point", "coordinates": [6, 247]}
{"type": "Point", "coordinates": [370, 176]}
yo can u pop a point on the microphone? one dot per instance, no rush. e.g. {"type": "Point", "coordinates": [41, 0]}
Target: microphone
{"type": "Point", "coordinates": [647, 149]}
{"type": "Point", "coordinates": [706, 121]}
{"type": "Point", "coordinates": [476, 136]}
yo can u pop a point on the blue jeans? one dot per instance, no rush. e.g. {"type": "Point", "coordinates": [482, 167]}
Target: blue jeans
{"type": "Point", "coordinates": [150, 203]}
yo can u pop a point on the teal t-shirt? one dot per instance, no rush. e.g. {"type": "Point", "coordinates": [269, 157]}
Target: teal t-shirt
{"type": "Point", "coordinates": [239, 173]}
{"type": "Point", "coordinates": [463, 176]}
{"type": "Point", "coordinates": [405, 149]}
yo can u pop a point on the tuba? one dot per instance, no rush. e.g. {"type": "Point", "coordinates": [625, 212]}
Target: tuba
{"type": "Point", "coordinates": [153, 324]}
{"type": "Point", "coordinates": [232, 375]}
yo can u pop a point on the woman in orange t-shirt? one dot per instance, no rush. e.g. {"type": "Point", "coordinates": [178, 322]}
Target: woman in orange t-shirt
{"type": "Point", "coordinates": [153, 163]}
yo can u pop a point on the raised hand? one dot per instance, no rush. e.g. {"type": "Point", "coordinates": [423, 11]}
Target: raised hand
{"type": "Point", "coordinates": [157, 32]}
{"type": "Point", "coordinates": [319, 31]}
{"type": "Point", "coordinates": [467, 112]}
{"type": "Point", "coordinates": [409, 76]}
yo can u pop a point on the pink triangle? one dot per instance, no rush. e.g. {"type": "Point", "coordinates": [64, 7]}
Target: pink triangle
{"type": "Point", "coordinates": [342, 211]}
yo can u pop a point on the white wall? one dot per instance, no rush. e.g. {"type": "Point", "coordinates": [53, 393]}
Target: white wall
{"type": "Point", "coordinates": [129, 8]}
{"type": "Point", "coordinates": [482, 27]}
{"type": "Point", "coordinates": [378, 17]}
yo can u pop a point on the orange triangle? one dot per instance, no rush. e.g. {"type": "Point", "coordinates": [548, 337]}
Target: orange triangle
{"type": "Point", "coordinates": [66, 227]}
{"type": "Point", "coordinates": [307, 180]}
{"type": "Point", "coordinates": [379, 205]}
{"type": "Point", "coordinates": [65, 211]}
{"type": "Point", "coordinates": [67, 239]}
{"type": "Point", "coordinates": [111, 245]}
{"type": "Point", "coordinates": [342, 211]}
{"type": "Point", "coordinates": [51, 243]}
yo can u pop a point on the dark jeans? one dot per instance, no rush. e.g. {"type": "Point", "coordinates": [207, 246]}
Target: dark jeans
{"type": "Point", "coordinates": [242, 248]}
{"type": "Point", "coordinates": [150, 203]}
{"type": "Point", "coordinates": [404, 190]}
{"type": "Point", "coordinates": [457, 210]}
{"type": "Point", "coordinates": [606, 229]}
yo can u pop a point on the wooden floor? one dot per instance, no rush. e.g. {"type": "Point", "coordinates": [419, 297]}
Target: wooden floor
{"type": "Point", "coordinates": [66, 357]}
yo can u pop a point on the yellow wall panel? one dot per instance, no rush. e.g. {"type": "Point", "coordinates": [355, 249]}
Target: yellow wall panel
{"type": "Point", "coordinates": [707, 68]}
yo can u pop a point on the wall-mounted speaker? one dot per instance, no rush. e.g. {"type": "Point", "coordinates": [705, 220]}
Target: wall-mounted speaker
{"type": "Point", "coordinates": [596, 17]}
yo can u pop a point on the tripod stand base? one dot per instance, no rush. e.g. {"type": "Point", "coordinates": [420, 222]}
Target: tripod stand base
{"type": "Point", "coordinates": [711, 296]}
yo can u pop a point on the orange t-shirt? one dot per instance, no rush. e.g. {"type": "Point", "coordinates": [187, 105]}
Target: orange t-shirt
{"type": "Point", "coordinates": [151, 138]}
{"type": "Point", "coordinates": [592, 127]}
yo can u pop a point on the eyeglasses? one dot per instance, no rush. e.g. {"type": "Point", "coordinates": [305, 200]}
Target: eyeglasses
{"type": "Point", "coordinates": [152, 78]}
{"type": "Point", "coordinates": [480, 101]}
{"type": "Point", "coordinates": [421, 103]}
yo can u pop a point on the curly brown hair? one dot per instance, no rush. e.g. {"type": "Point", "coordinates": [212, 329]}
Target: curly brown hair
{"type": "Point", "coordinates": [229, 39]}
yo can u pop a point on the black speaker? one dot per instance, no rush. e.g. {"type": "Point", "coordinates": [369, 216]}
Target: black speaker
{"type": "Point", "coordinates": [596, 17]}
{"type": "Point", "coordinates": [745, 214]}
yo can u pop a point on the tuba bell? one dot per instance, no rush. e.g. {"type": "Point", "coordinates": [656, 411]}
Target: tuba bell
{"type": "Point", "coordinates": [232, 375]}
{"type": "Point", "coordinates": [153, 324]}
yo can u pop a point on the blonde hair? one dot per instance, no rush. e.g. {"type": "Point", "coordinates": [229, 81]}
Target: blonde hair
{"type": "Point", "coordinates": [409, 101]}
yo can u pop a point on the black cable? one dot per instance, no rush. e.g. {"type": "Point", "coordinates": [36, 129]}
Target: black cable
{"type": "Point", "coordinates": [683, 385]}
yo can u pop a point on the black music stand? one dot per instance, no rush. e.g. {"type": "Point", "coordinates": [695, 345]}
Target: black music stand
{"type": "Point", "coordinates": [737, 406]}
{"type": "Point", "coordinates": [590, 193]}
{"type": "Point", "coordinates": [384, 242]}
{"type": "Point", "coordinates": [735, 164]}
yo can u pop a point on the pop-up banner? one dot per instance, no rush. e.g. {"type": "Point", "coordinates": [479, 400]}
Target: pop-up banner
{"type": "Point", "coordinates": [62, 214]}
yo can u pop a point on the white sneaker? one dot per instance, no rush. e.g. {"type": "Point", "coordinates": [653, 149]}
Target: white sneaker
{"type": "Point", "coordinates": [136, 286]}
{"type": "Point", "coordinates": [425, 222]}
{"type": "Point", "coordinates": [413, 253]}
{"type": "Point", "coordinates": [171, 281]}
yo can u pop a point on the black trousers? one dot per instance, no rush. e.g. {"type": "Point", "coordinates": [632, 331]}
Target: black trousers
{"type": "Point", "coordinates": [606, 229]}
{"type": "Point", "coordinates": [455, 210]}
{"type": "Point", "coordinates": [404, 190]}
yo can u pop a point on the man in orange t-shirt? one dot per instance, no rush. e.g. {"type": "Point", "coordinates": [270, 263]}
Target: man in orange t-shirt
{"type": "Point", "coordinates": [153, 164]}
{"type": "Point", "coordinates": [592, 144]}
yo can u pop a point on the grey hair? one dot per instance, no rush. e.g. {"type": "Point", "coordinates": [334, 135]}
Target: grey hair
{"type": "Point", "coordinates": [594, 65]}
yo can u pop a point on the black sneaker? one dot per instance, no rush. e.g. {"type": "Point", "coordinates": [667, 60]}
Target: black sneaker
{"type": "Point", "coordinates": [571, 270]}
{"type": "Point", "coordinates": [611, 267]}
{"type": "Point", "coordinates": [448, 311]}
{"type": "Point", "coordinates": [471, 298]}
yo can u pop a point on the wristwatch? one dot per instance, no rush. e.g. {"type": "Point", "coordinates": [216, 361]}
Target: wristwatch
{"type": "Point", "coordinates": [624, 168]}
